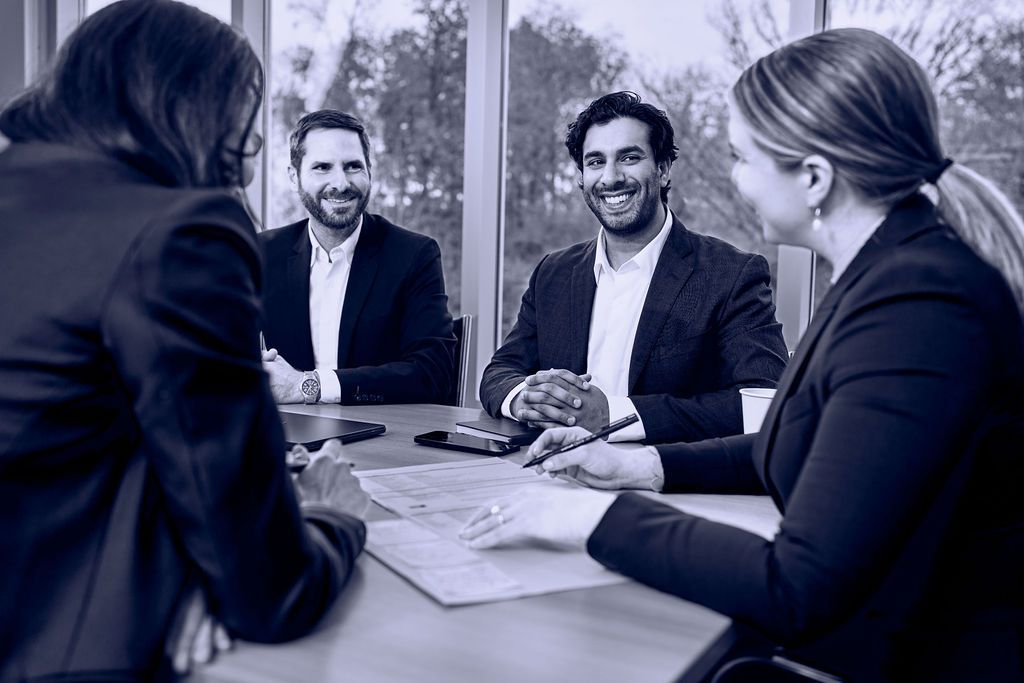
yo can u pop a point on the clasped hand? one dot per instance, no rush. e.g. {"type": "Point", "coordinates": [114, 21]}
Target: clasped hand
{"type": "Point", "coordinates": [555, 398]}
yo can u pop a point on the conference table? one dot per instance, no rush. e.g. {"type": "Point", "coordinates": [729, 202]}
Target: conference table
{"type": "Point", "coordinates": [382, 628]}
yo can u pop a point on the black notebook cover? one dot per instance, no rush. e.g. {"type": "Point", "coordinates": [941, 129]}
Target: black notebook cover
{"type": "Point", "coordinates": [500, 429]}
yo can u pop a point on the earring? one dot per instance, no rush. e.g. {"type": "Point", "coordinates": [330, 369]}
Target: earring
{"type": "Point", "coordinates": [816, 223]}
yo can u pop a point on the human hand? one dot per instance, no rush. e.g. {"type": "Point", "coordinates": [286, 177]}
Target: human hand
{"type": "Point", "coordinates": [597, 464]}
{"type": "Point", "coordinates": [284, 379]}
{"type": "Point", "coordinates": [593, 412]}
{"type": "Point", "coordinates": [297, 458]}
{"type": "Point", "coordinates": [328, 480]}
{"type": "Point", "coordinates": [549, 396]}
{"type": "Point", "coordinates": [560, 517]}
{"type": "Point", "coordinates": [195, 636]}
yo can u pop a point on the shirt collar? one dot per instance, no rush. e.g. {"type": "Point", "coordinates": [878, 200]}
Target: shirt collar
{"type": "Point", "coordinates": [646, 259]}
{"type": "Point", "coordinates": [345, 250]}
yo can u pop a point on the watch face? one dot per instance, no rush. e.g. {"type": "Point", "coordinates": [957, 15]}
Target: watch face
{"type": "Point", "coordinates": [310, 386]}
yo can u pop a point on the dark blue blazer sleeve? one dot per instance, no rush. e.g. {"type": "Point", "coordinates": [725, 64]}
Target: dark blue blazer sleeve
{"type": "Point", "coordinates": [518, 355]}
{"type": "Point", "coordinates": [865, 443]}
{"type": "Point", "coordinates": [182, 325]}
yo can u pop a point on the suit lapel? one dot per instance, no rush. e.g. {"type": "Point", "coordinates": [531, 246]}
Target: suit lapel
{"type": "Point", "coordinates": [296, 312]}
{"type": "Point", "coordinates": [675, 265]}
{"type": "Point", "coordinates": [908, 220]}
{"type": "Point", "coordinates": [365, 262]}
{"type": "Point", "coordinates": [581, 308]}
{"type": "Point", "coordinates": [787, 384]}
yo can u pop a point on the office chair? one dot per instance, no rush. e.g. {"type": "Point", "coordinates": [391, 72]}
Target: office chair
{"type": "Point", "coordinates": [742, 655]}
{"type": "Point", "coordinates": [463, 328]}
{"type": "Point", "coordinates": [773, 669]}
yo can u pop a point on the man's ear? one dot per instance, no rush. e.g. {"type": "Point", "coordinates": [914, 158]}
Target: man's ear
{"type": "Point", "coordinates": [579, 178]}
{"type": "Point", "coordinates": [818, 177]}
{"type": "Point", "coordinates": [293, 176]}
{"type": "Point", "coordinates": [665, 169]}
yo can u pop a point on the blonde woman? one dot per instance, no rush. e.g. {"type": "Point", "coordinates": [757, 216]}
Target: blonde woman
{"type": "Point", "coordinates": [893, 445]}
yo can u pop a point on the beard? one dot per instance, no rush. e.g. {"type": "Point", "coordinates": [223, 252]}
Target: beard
{"type": "Point", "coordinates": [332, 217]}
{"type": "Point", "coordinates": [638, 210]}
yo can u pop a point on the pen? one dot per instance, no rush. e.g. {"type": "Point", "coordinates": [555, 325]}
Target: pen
{"type": "Point", "coordinates": [600, 433]}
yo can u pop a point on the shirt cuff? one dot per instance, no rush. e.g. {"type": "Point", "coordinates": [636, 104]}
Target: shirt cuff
{"type": "Point", "coordinates": [618, 408]}
{"type": "Point", "coordinates": [506, 405]}
{"type": "Point", "coordinates": [330, 386]}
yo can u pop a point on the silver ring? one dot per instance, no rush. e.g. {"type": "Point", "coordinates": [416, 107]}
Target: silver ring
{"type": "Point", "coordinates": [501, 519]}
{"type": "Point", "coordinates": [495, 509]}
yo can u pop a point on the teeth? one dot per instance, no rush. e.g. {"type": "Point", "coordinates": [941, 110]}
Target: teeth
{"type": "Point", "coordinates": [616, 199]}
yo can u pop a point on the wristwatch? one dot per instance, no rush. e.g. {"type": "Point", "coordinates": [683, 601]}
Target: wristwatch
{"type": "Point", "coordinates": [310, 387]}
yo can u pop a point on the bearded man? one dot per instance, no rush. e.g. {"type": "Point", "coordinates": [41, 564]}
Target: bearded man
{"type": "Point", "coordinates": [648, 317]}
{"type": "Point", "coordinates": [355, 306]}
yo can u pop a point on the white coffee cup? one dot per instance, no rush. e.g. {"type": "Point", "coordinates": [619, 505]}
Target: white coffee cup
{"type": "Point", "coordinates": [755, 401]}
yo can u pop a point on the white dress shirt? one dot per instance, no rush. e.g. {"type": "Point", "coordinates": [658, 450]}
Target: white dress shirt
{"type": "Point", "coordinates": [328, 281]}
{"type": "Point", "coordinates": [618, 303]}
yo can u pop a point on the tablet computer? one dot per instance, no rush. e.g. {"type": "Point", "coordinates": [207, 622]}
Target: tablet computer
{"type": "Point", "coordinates": [312, 430]}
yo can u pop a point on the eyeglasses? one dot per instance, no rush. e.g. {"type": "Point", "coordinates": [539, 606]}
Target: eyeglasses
{"type": "Point", "coordinates": [254, 144]}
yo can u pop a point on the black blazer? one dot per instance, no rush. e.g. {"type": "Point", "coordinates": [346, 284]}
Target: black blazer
{"type": "Point", "coordinates": [707, 328]}
{"type": "Point", "coordinates": [893, 451]}
{"type": "Point", "coordinates": [395, 341]}
{"type": "Point", "coordinates": [140, 447]}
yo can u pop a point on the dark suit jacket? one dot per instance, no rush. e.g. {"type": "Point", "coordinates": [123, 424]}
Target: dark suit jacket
{"type": "Point", "coordinates": [140, 447]}
{"type": "Point", "coordinates": [893, 449]}
{"type": "Point", "coordinates": [395, 342]}
{"type": "Point", "coordinates": [707, 328]}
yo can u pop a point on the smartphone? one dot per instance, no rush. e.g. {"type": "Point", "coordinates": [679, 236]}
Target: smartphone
{"type": "Point", "coordinates": [465, 443]}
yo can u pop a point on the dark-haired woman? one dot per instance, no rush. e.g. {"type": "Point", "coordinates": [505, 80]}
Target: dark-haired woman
{"type": "Point", "coordinates": [140, 450]}
{"type": "Point", "coordinates": [893, 446]}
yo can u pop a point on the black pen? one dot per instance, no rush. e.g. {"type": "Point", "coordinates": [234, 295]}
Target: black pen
{"type": "Point", "coordinates": [600, 433]}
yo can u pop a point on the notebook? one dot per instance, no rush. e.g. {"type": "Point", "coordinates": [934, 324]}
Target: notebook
{"type": "Point", "coordinates": [312, 430]}
{"type": "Point", "coordinates": [500, 429]}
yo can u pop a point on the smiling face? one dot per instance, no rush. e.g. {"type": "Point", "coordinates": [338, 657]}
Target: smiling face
{"type": "Point", "coordinates": [778, 196]}
{"type": "Point", "coordinates": [621, 181]}
{"type": "Point", "coordinates": [334, 181]}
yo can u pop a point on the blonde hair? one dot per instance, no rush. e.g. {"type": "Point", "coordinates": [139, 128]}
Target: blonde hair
{"type": "Point", "coordinates": [855, 98]}
{"type": "Point", "coordinates": [985, 219]}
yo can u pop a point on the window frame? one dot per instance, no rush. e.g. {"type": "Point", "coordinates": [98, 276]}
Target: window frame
{"type": "Point", "coordinates": [48, 22]}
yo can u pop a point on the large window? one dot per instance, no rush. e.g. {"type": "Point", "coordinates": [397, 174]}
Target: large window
{"type": "Point", "coordinates": [974, 54]}
{"type": "Point", "coordinates": [218, 8]}
{"type": "Point", "coordinates": [680, 56]}
{"type": "Point", "coordinates": [400, 67]}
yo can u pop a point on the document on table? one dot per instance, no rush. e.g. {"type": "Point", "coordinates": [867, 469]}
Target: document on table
{"type": "Point", "coordinates": [434, 502]}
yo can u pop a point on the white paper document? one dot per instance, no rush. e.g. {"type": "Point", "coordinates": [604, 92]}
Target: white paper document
{"type": "Point", "coordinates": [434, 502]}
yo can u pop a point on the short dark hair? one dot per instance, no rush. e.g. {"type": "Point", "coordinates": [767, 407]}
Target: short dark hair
{"type": "Point", "coordinates": [621, 105]}
{"type": "Point", "coordinates": [325, 118]}
{"type": "Point", "coordinates": [156, 83]}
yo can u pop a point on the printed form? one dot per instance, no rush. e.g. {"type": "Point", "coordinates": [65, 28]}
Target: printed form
{"type": "Point", "coordinates": [434, 502]}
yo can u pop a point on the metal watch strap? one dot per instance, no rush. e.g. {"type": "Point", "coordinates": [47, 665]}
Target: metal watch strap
{"type": "Point", "coordinates": [306, 377]}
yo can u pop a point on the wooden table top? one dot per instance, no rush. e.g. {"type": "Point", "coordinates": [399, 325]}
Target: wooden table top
{"type": "Point", "coordinates": [384, 629]}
